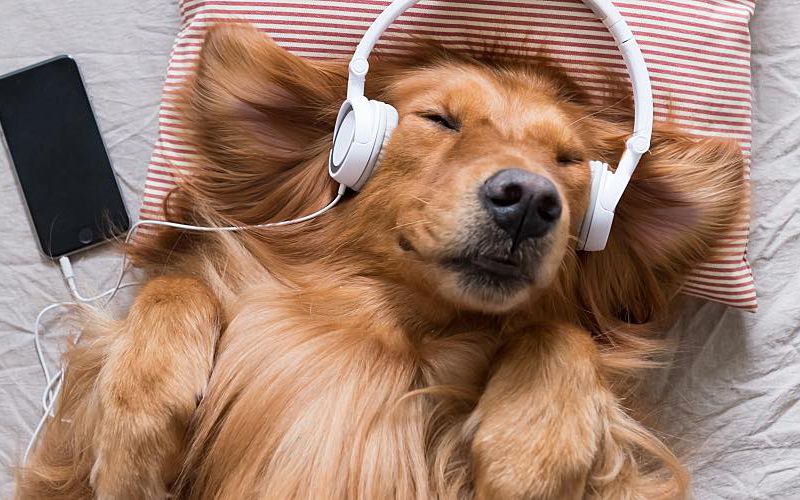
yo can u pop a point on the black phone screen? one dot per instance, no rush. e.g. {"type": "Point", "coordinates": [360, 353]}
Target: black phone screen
{"type": "Point", "coordinates": [59, 156]}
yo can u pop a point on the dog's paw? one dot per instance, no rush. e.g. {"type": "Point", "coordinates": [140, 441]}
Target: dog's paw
{"type": "Point", "coordinates": [114, 477]}
{"type": "Point", "coordinates": [107, 483]}
{"type": "Point", "coordinates": [133, 461]}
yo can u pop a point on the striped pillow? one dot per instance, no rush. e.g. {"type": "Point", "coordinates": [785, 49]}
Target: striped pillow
{"type": "Point", "coordinates": [698, 53]}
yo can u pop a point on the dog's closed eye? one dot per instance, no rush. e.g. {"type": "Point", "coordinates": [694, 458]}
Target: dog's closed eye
{"type": "Point", "coordinates": [442, 120]}
{"type": "Point", "coordinates": [567, 158]}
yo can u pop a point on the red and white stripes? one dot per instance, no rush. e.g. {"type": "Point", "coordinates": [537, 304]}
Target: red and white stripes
{"type": "Point", "coordinates": [698, 54]}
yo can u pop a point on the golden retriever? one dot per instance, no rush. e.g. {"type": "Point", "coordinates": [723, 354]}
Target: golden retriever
{"type": "Point", "coordinates": [434, 336]}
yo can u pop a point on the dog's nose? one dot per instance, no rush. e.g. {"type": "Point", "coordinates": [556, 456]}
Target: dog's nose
{"type": "Point", "coordinates": [524, 204]}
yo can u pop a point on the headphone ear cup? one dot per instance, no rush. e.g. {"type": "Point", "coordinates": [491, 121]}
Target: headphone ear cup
{"type": "Point", "coordinates": [361, 129]}
{"type": "Point", "coordinates": [354, 139]}
{"type": "Point", "coordinates": [590, 222]}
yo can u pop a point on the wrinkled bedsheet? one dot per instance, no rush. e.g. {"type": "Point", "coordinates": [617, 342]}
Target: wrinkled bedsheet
{"type": "Point", "coordinates": [731, 401]}
{"type": "Point", "coordinates": [122, 48]}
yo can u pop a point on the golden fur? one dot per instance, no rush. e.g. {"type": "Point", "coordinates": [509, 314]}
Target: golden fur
{"type": "Point", "coordinates": [339, 358]}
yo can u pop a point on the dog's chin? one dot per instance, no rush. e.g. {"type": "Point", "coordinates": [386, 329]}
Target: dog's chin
{"type": "Point", "coordinates": [486, 273]}
{"type": "Point", "coordinates": [485, 284]}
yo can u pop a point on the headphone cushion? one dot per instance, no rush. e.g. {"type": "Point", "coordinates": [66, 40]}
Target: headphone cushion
{"type": "Point", "coordinates": [598, 171]}
{"type": "Point", "coordinates": [391, 124]}
{"type": "Point", "coordinates": [392, 118]}
{"type": "Point", "coordinates": [356, 142]}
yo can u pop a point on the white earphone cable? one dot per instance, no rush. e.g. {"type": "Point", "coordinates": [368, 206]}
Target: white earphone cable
{"type": "Point", "coordinates": [188, 227]}
{"type": "Point", "coordinates": [54, 383]}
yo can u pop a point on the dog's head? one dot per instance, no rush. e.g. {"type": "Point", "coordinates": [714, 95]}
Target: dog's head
{"type": "Point", "coordinates": [484, 180]}
{"type": "Point", "coordinates": [479, 192]}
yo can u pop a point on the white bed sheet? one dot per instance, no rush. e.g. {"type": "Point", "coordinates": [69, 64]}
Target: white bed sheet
{"type": "Point", "coordinates": [731, 400]}
{"type": "Point", "coordinates": [122, 48]}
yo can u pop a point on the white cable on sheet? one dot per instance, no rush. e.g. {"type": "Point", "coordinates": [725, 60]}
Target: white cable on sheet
{"type": "Point", "coordinates": [37, 430]}
{"type": "Point", "coordinates": [37, 341]}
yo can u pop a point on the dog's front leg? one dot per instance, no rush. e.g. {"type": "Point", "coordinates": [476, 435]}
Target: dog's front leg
{"type": "Point", "coordinates": [539, 422]}
{"type": "Point", "coordinates": [155, 371]}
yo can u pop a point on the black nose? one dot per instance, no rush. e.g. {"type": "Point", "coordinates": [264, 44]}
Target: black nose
{"type": "Point", "coordinates": [524, 204]}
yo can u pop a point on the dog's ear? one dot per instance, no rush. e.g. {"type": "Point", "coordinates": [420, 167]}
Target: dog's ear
{"type": "Point", "coordinates": [261, 120]}
{"type": "Point", "coordinates": [685, 195]}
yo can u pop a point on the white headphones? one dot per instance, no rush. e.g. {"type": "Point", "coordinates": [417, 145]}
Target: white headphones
{"type": "Point", "coordinates": [364, 126]}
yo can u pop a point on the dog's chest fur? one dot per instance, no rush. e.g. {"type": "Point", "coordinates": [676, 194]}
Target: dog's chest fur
{"type": "Point", "coordinates": [288, 371]}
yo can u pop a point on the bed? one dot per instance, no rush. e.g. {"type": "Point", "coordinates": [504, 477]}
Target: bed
{"type": "Point", "coordinates": [732, 398]}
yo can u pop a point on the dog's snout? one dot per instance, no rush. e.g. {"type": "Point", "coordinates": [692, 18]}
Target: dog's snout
{"type": "Point", "coordinates": [523, 204]}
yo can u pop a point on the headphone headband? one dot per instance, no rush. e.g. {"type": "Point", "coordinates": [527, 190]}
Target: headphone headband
{"type": "Point", "coordinates": [635, 147]}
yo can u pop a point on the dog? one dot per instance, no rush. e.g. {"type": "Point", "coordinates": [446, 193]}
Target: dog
{"type": "Point", "coordinates": [434, 336]}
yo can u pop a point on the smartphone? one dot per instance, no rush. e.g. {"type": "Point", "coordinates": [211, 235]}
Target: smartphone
{"type": "Point", "coordinates": [59, 157]}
